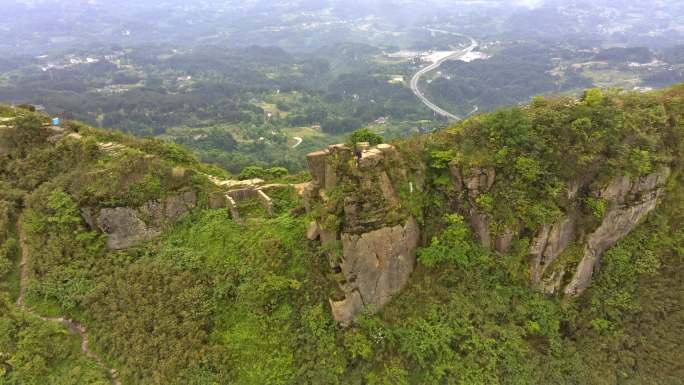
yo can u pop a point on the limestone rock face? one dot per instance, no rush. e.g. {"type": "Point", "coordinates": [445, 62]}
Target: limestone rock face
{"type": "Point", "coordinates": [549, 244]}
{"type": "Point", "coordinates": [503, 241]}
{"type": "Point", "coordinates": [127, 227]}
{"type": "Point", "coordinates": [217, 200]}
{"type": "Point", "coordinates": [477, 181]}
{"type": "Point", "coordinates": [316, 162]}
{"type": "Point", "coordinates": [472, 183]}
{"type": "Point", "coordinates": [480, 223]}
{"type": "Point", "coordinates": [313, 231]}
{"type": "Point", "coordinates": [345, 310]}
{"type": "Point", "coordinates": [629, 201]}
{"type": "Point", "coordinates": [179, 205]}
{"type": "Point", "coordinates": [377, 239]}
{"type": "Point", "coordinates": [377, 266]}
{"type": "Point", "coordinates": [124, 228]}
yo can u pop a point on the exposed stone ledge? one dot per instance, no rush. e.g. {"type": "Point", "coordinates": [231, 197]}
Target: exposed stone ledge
{"type": "Point", "coordinates": [551, 241]}
{"type": "Point", "coordinates": [629, 202]}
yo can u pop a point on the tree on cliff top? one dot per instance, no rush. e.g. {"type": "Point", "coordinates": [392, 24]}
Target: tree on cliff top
{"type": "Point", "coordinates": [364, 135]}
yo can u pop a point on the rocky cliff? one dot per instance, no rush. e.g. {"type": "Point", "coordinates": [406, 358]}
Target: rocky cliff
{"type": "Point", "coordinates": [627, 201]}
{"type": "Point", "coordinates": [360, 220]}
{"type": "Point", "coordinates": [370, 237]}
{"type": "Point", "coordinates": [360, 206]}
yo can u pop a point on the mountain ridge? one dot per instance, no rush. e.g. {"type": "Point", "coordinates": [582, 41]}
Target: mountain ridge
{"type": "Point", "coordinates": [505, 203]}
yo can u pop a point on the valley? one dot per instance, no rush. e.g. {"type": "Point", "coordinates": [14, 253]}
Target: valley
{"type": "Point", "coordinates": [246, 106]}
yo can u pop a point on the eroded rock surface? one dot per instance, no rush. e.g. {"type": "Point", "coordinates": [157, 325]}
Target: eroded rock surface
{"type": "Point", "coordinates": [377, 240]}
{"type": "Point", "coordinates": [549, 244]}
{"type": "Point", "coordinates": [124, 227]}
{"type": "Point", "coordinates": [376, 265]}
{"type": "Point", "coordinates": [629, 202]}
{"type": "Point", "coordinates": [127, 227]}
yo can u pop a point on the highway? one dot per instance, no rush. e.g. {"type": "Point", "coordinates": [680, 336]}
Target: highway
{"type": "Point", "coordinates": [415, 80]}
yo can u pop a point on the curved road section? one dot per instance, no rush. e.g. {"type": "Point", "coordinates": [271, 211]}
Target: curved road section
{"type": "Point", "coordinates": [415, 80]}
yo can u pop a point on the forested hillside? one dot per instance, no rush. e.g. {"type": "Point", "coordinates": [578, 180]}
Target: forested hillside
{"type": "Point", "coordinates": [133, 240]}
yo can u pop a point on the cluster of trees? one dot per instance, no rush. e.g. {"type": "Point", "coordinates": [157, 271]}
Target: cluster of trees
{"type": "Point", "coordinates": [511, 76]}
{"type": "Point", "coordinates": [364, 135]}
{"type": "Point", "coordinates": [35, 352]}
{"type": "Point", "coordinates": [625, 55]}
{"type": "Point", "coordinates": [252, 172]}
{"type": "Point", "coordinates": [552, 141]}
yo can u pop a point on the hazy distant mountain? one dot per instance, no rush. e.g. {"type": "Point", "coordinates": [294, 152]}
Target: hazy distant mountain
{"type": "Point", "coordinates": [627, 21]}
{"type": "Point", "coordinates": [36, 26]}
{"type": "Point", "coordinates": [32, 26]}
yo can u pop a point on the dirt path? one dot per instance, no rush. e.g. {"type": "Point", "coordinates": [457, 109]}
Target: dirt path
{"type": "Point", "coordinates": [23, 265]}
{"type": "Point", "coordinates": [73, 326]}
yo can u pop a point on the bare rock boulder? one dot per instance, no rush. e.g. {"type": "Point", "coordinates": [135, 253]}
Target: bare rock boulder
{"type": "Point", "coordinates": [313, 231]}
{"type": "Point", "coordinates": [127, 227]}
{"type": "Point", "coordinates": [124, 227]}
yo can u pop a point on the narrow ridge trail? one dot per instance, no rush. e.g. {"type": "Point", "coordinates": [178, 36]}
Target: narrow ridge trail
{"type": "Point", "coordinates": [73, 326]}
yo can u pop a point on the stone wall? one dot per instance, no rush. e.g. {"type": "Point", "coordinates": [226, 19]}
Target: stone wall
{"type": "Point", "coordinates": [239, 195]}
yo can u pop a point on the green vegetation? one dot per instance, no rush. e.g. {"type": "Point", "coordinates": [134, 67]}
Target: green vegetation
{"type": "Point", "coordinates": [513, 74]}
{"type": "Point", "coordinates": [542, 146]}
{"type": "Point", "coordinates": [252, 172]}
{"type": "Point", "coordinates": [36, 352]}
{"type": "Point", "coordinates": [364, 135]}
{"type": "Point", "coordinates": [214, 301]}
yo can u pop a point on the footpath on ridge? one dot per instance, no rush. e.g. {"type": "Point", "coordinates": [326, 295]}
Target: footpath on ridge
{"type": "Point", "coordinates": [73, 326]}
